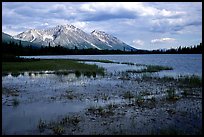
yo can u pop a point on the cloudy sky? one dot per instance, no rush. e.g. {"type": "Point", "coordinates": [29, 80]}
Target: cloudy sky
{"type": "Point", "coordinates": [149, 25]}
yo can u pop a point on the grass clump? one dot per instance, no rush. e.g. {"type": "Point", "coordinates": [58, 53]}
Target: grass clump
{"type": "Point", "coordinates": [70, 95]}
{"type": "Point", "coordinates": [61, 72]}
{"type": "Point", "coordinates": [190, 81]}
{"type": "Point", "coordinates": [100, 111]}
{"type": "Point", "coordinates": [139, 100]}
{"type": "Point", "coordinates": [77, 73]}
{"type": "Point", "coordinates": [16, 74]}
{"type": "Point", "coordinates": [128, 95]}
{"type": "Point", "coordinates": [111, 106]}
{"type": "Point", "coordinates": [105, 97]}
{"type": "Point", "coordinates": [171, 94]}
{"type": "Point", "coordinates": [42, 125]}
{"type": "Point", "coordinates": [58, 130]}
{"type": "Point", "coordinates": [58, 127]}
{"type": "Point", "coordinates": [15, 102]}
{"type": "Point", "coordinates": [10, 92]}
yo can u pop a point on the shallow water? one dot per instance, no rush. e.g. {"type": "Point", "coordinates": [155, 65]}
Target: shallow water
{"type": "Point", "coordinates": [25, 117]}
{"type": "Point", "coordinates": [43, 96]}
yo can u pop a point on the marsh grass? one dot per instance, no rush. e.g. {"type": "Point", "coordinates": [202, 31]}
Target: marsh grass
{"type": "Point", "coordinates": [58, 127]}
{"type": "Point", "coordinates": [171, 94]}
{"type": "Point", "coordinates": [100, 111]}
{"type": "Point", "coordinates": [182, 81]}
{"type": "Point", "coordinates": [91, 60]}
{"type": "Point", "coordinates": [10, 92]}
{"type": "Point", "coordinates": [70, 95]}
{"type": "Point", "coordinates": [58, 130]}
{"type": "Point", "coordinates": [61, 72]}
{"type": "Point", "coordinates": [42, 125]}
{"type": "Point", "coordinates": [105, 97]}
{"type": "Point", "coordinates": [77, 73]}
{"type": "Point", "coordinates": [50, 65]}
{"type": "Point", "coordinates": [150, 69]}
{"type": "Point", "coordinates": [16, 74]}
{"type": "Point", "coordinates": [15, 102]}
{"type": "Point", "coordinates": [128, 95]}
{"type": "Point", "coordinates": [104, 61]}
{"type": "Point", "coordinates": [128, 63]}
{"type": "Point", "coordinates": [139, 100]}
{"type": "Point", "coordinates": [190, 81]}
{"type": "Point", "coordinates": [112, 106]}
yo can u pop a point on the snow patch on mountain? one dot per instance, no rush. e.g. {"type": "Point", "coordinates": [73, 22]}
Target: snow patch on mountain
{"type": "Point", "coordinates": [45, 36]}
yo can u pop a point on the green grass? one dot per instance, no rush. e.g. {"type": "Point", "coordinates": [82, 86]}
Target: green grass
{"type": "Point", "coordinates": [190, 81]}
{"type": "Point", "coordinates": [182, 81]}
{"type": "Point", "coordinates": [52, 65]}
{"type": "Point", "coordinates": [92, 60]}
{"type": "Point", "coordinates": [150, 69]}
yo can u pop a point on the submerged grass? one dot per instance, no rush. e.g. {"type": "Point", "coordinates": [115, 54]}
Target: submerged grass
{"type": "Point", "coordinates": [52, 65]}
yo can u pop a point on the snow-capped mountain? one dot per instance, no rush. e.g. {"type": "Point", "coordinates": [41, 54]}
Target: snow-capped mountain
{"type": "Point", "coordinates": [70, 37]}
{"type": "Point", "coordinates": [8, 38]}
{"type": "Point", "coordinates": [110, 40]}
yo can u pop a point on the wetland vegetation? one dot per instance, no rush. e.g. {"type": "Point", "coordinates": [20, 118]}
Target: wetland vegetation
{"type": "Point", "coordinates": [75, 98]}
{"type": "Point", "coordinates": [51, 65]}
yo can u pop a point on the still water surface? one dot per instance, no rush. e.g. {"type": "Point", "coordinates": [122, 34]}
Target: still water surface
{"type": "Point", "coordinates": [183, 64]}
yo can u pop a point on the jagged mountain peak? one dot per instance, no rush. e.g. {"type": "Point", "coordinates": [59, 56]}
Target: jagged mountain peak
{"type": "Point", "coordinates": [110, 40]}
{"type": "Point", "coordinates": [103, 34]}
{"type": "Point", "coordinates": [70, 36]}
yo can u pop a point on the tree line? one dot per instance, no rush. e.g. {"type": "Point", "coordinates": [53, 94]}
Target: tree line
{"type": "Point", "coordinates": [16, 49]}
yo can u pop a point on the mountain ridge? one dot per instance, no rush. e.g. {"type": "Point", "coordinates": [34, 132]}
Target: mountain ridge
{"type": "Point", "coordinates": [72, 37]}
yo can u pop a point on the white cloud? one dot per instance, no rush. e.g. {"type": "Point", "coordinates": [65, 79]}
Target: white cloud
{"type": "Point", "coordinates": [137, 8]}
{"type": "Point", "coordinates": [45, 24]}
{"type": "Point", "coordinates": [135, 23]}
{"type": "Point", "coordinates": [138, 42]}
{"type": "Point", "coordinates": [162, 40]}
